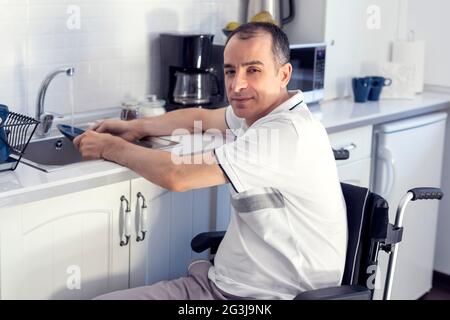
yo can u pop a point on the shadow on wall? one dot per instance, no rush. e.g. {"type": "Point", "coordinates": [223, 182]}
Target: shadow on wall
{"type": "Point", "coordinates": [215, 28]}
{"type": "Point", "coordinates": [158, 21]}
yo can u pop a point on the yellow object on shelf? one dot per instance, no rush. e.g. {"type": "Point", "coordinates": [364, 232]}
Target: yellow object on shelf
{"type": "Point", "coordinates": [232, 26]}
{"type": "Point", "coordinates": [263, 16]}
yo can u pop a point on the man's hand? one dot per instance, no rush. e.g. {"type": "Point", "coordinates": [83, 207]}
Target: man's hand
{"type": "Point", "coordinates": [128, 130]}
{"type": "Point", "coordinates": [93, 145]}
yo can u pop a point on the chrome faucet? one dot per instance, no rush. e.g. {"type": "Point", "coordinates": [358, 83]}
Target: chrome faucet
{"type": "Point", "coordinates": [46, 118]}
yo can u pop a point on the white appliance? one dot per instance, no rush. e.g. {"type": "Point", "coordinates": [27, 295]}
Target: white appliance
{"type": "Point", "coordinates": [409, 154]}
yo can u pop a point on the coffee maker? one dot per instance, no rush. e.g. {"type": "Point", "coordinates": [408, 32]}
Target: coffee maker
{"type": "Point", "coordinates": [192, 71]}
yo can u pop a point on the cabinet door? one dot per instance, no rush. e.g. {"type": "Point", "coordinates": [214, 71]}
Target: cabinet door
{"type": "Point", "coordinates": [65, 247]}
{"type": "Point", "coordinates": [223, 207]}
{"type": "Point", "coordinates": [356, 173]}
{"type": "Point", "coordinates": [173, 220]}
{"type": "Point", "coordinates": [358, 141]}
{"type": "Point", "coordinates": [342, 20]}
{"type": "Point", "coordinates": [359, 35]}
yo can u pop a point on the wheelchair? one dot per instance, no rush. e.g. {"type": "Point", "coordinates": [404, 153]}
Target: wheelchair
{"type": "Point", "coordinates": [369, 233]}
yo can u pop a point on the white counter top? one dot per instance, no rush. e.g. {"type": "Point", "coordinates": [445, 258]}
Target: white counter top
{"type": "Point", "coordinates": [27, 184]}
{"type": "Point", "coordinates": [343, 114]}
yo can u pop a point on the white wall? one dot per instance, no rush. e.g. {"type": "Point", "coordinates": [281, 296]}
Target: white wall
{"type": "Point", "coordinates": [430, 22]}
{"type": "Point", "coordinates": [114, 51]}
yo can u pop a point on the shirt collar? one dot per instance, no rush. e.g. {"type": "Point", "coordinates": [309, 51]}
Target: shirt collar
{"type": "Point", "coordinates": [295, 101]}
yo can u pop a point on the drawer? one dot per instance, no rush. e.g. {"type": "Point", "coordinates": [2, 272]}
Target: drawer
{"type": "Point", "coordinates": [358, 141]}
{"type": "Point", "coordinates": [356, 172]}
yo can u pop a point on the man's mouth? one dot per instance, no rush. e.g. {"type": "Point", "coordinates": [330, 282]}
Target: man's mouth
{"type": "Point", "coordinates": [241, 99]}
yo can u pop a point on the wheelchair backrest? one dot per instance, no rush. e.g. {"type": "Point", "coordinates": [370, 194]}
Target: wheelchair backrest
{"type": "Point", "coordinates": [367, 220]}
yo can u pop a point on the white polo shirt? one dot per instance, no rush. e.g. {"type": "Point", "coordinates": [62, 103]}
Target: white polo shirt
{"type": "Point", "coordinates": [288, 231]}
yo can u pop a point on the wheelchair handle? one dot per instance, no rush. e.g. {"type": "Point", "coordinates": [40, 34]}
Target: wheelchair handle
{"type": "Point", "coordinates": [411, 195]}
{"type": "Point", "coordinates": [426, 193]}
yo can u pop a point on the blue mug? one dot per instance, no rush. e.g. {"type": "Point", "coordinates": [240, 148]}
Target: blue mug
{"type": "Point", "coordinates": [361, 89]}
{"type": "Point", "coordinates": [376, 86]}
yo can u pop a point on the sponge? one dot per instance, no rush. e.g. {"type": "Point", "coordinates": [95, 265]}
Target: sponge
{"type": "Point", "coordinates": [4, 148]}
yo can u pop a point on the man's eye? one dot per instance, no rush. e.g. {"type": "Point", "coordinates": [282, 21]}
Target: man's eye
{"type": "Point", "coordinates": [253, 70]}
{"type": "Point", "coordinates": [229, 72]}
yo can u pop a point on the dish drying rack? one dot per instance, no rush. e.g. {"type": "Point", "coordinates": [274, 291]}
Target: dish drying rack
{"type": "Point", "coordinates": [19, 130]}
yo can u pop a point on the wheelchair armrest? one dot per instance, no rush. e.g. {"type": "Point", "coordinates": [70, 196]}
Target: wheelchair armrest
{"type": "Point", "coordinates": [353, 292]}
{"type": "Point", "coordinates": [207, 240]}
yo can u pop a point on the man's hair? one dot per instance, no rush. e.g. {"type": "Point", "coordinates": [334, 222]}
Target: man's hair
{"type": "Point", "coordinates": [280, 42]}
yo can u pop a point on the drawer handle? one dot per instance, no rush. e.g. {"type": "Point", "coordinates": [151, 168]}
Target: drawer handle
{"type": "Point", "coordinates": [142, 218]}
{"type": "Point", "coordinates": [126, 227]}
{"type": "Point", "coordinates": [349, 147]}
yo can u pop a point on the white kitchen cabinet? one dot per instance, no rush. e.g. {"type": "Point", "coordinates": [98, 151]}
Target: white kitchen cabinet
{"type": "Point", "coordinates": [358, 36]}
{"type": "Point", "coordinates": [442, 255]}
{"type": "Point", "coordinates": [356, 173]}
{"type": "Point", "coordinates": [357, 169]}
{"type": "Point", "coordinates": [173, 219]}
{"type": "Point", "coordinates": [223, 207]}
{"type": "Point", "coordinates": [409, 155]}
{"type": "Point", "coordinates": [69, 247]}
{"type": "Point", "coordinates": [65, 247]}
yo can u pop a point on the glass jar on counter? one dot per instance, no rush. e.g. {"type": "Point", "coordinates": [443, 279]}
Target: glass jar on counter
{"type": "Point", "coordinates": [130, 110]}
{"type": "Point", "coordinates": [151, 106]}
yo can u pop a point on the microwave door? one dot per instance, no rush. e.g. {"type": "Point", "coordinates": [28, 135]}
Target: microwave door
{"type": "Point", "coordinates": [302, 69]}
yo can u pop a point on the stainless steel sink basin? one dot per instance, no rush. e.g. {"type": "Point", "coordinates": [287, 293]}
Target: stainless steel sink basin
{"type": "Point", "coordinates": [56, 151]}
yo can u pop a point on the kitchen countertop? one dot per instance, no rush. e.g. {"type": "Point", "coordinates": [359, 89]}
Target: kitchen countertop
{"type": "Point", "coordinates": [27, 184]}
{"type": "Point", "coordinates": [343, 114]}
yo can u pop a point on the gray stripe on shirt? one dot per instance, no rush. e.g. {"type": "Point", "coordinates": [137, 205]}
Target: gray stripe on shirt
{"type": "Point", "coordinates": [270, 200]}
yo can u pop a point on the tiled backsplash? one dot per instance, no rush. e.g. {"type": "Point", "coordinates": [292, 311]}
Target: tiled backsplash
{"type": "Point", "coordinates": [111, 43]}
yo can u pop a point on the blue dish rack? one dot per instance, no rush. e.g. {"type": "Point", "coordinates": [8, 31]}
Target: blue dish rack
{"type": "Point", "coordinates": [19, 130]}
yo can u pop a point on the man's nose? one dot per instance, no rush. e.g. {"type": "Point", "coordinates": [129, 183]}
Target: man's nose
{"type": "Point", "coordinates": [240, 82]}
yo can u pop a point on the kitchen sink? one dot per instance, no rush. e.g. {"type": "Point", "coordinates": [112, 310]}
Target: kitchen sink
{"type": "Point", "coordinates": [57, 152]}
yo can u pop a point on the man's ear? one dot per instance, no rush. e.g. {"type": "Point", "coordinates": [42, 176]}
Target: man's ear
{"type": "Point", "coordinates": [285, 73]}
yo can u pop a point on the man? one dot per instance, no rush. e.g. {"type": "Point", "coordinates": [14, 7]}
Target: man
{"type": "Point", "coordinates": [289, 231]}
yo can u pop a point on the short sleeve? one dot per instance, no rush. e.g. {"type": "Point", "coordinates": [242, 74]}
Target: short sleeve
{"type": "Point", "coordinates": [260, 157]}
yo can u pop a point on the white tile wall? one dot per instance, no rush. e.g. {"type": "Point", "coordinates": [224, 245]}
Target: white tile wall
{"type": "Point", "coordinates": [113, 46]}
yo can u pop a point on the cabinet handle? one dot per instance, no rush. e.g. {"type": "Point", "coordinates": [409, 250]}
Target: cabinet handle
{"type": "Point", "coordinates": [126, 228]}
{"type": "Point", "coordinates": [142, 216]}
{"type": "Point", "coordinates": [349, 147]}
{"type": "Point", "coordinates": [385, 155]}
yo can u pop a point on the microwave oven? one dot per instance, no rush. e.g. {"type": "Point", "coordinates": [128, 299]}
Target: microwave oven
{"type": "Point", "coordinates": [308, 70]}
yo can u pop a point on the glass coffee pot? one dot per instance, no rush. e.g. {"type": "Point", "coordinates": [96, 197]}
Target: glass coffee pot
{"type": "Point", "coordinates": [195, 88]}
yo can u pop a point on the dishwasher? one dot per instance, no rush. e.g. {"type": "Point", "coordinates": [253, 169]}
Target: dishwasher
{"type": "Point", "coordinates": [409, 153]}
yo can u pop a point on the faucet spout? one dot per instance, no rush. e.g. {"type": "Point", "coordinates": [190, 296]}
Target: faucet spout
{"type": "Point", "coordinates": [47, 119]}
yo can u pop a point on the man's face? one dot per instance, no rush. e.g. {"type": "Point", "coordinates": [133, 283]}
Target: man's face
{"type": "Point", "coordinates": [255, 83]}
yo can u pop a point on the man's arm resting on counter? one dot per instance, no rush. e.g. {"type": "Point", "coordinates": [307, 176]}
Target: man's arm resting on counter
{"type": "Point", "coordinates": [166, 169]}
{"type": "Point", "coordinates": [167, 123]}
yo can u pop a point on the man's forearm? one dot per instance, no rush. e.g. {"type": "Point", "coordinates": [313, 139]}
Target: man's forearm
{"type": "Point", "coordinates": [160, 168]}
{"type": "Point", "coordinates": [182, 119]}
{"type": "Point", "coordinates": [167, 123]}
{"type": "Point", "coordinates": [153, 165]}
